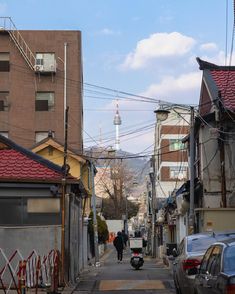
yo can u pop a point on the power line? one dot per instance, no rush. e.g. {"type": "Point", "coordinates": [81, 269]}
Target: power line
{"type": "Point", "coordinates": [142, 98]}
{"type": "Point", "coordinates": [226, 32]}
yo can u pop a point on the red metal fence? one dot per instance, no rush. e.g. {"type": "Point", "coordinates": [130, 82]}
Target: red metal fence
{"type": "Point", "coordinates": [34, 272]}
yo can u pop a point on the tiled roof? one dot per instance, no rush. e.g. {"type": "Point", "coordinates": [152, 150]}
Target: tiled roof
{"type": "Point", "coordinates": [225, 81]}
{"type": "Point", "coordinates": [15, 165]}
{"type": "Point", "coordinates": [218, 79]}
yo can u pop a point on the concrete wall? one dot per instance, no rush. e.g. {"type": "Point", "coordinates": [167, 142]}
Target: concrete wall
{"type": "Point", "coordinates": [210, 163]}
{"type": "Point", "coordinates": [218, 219]}
{"type": "Point", "coordinates": [210, 166]}
{"type": "Point", "coordinates": [41, 239]}
{"type": "Point", "coordinates": [181, 229]}
{"type": "Point", "coordinates": [115, 225]}
{"type": "Point", "coordinates": [26, 239]}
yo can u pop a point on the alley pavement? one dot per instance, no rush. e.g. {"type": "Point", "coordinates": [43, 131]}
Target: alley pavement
{"type": "Point", "coordinates": [113, 277]}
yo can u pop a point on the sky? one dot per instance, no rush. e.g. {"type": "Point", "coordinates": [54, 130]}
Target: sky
{"type": "Point", "coordinates": [134, 47]}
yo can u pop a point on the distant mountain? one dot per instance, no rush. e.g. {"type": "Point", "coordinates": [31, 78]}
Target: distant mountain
{"type": "Point", "coordinates": [139, 166]}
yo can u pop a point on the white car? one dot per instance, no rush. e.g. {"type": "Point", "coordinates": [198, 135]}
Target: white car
{"type": "Point", "coordinates": [189, 255]}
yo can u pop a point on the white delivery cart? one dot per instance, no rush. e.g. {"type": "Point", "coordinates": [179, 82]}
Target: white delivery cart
{"type": "Point", "coordinates": [136, 243]}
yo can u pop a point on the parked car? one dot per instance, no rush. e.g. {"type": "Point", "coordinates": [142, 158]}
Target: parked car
{"type": "Point", "coordinates": [217, 270]}
{"type": "Point", "coordinates": [189, 255]}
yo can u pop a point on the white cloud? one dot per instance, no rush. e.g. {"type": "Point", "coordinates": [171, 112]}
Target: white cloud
{"type": "Point", "coordinates": [159, 45]}
{"type": "Point", "coordinates": [218, 58]}
{"type": "Point", "coordinates": [208, 47]}
{"type": "Point", "coordinates": [183, 89]}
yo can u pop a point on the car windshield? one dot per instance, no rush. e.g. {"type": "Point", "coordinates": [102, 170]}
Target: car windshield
{"type": "Point", "coordinates": [199, 244]}
{"type": "Point", "coordinates": [229, 259]}
{"type": "Point", "coordinates": [202, 242]}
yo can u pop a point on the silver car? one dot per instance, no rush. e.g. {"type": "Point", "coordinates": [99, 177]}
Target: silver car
{"type": "Point", "coordinates": [217, 270]}
{"type": "Point", "coordinates": [189, 255]}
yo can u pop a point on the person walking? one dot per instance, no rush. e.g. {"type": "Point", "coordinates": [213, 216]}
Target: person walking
{"type": "Point", "coordinates": [125, 238]}
{"type": "Point", "coordinates": [119, 245]}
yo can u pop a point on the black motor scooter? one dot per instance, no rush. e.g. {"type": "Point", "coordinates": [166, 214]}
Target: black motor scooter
{"type": "Point", "coordinates": [136, 246]}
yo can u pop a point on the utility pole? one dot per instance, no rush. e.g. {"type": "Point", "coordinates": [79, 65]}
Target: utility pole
{"type": "Point", "coordinates": [219, 118]}
{"type": "Point", "coordinates": [95, 226]}
{"type": "Point", "coordinates": [153, 205]}
{"type": "Point", "coordinates": [126, 217]}
{"type": "Point", "coordinates": [63, 199]}
{"type": "Point", "coordinates": [65, 82]}
{"type": "Point", "coordinates": [192, 173]}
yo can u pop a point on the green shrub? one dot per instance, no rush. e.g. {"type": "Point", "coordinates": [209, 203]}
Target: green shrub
{"type": "Point", "coordinates": [103, 233]}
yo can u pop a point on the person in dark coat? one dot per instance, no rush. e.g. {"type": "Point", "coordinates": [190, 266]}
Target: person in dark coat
{"type": "Point", "coordinates": [119, 245]}
{"type": "Point", "coordinates": [125, 238]}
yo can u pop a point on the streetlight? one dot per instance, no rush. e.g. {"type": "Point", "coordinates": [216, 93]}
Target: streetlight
{"type": "Point", "coordinates": [161, 115]}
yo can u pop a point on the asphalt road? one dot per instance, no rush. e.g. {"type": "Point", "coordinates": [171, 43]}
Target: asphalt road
{"type": "Point", "coordinates": [112, 277]}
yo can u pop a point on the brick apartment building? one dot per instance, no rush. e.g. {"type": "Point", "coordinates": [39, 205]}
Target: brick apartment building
{"type": "Point", "coordinates": [172, 158]}
{"type": "Point", "coordinates": [171, 165]}
{"type": "Point", "coordinates": [32, 73]}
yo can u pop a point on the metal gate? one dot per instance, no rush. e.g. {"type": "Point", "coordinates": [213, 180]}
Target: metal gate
{"type": "Point", "coordinates": [33, 272]}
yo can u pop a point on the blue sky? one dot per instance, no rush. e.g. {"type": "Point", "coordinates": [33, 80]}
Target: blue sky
{"type": "Point", "coordinates": [144, 47]}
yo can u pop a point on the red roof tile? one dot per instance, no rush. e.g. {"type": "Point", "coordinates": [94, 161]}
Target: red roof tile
{"type": "Point", "coordinates": [14, 165]}
{"type": "Point", "coordinates": [225, 81]}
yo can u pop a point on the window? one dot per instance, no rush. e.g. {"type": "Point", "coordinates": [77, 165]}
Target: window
{"type": "Point", "coordinates": [203, 267]}
{"type": "Point", "coordinates": [44, 101]}
{"type": "Point", "coordinates": [39, 136]}
{"type": "Point", "coordinates": [229, 259]}
{"type": "Point", "coordinates": [175, 144]}
{"type": "Point", "coordinates": [4, 61]}
{"type": "Point", "coordinates": [11, 207]}
{"type": "Point", "coordinates": [213, 266]}
{"type": "Point", "coordinates": [178, 172]}
{"type": "Point", "coordinates": [198, 244]}
{"type": "Point", "coordinates": [4, 100]}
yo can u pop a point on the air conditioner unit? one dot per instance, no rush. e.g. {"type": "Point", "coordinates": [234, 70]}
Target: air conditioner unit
{"type": "Point", "coordinates": [38, 68]}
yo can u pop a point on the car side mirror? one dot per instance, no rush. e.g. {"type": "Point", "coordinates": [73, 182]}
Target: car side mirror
{"type": "Point", "coordinates": [175, 252]}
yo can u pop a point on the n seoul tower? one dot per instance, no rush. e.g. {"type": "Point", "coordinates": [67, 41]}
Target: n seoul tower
{"type": "Point", "coordinates": [117, 122]}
